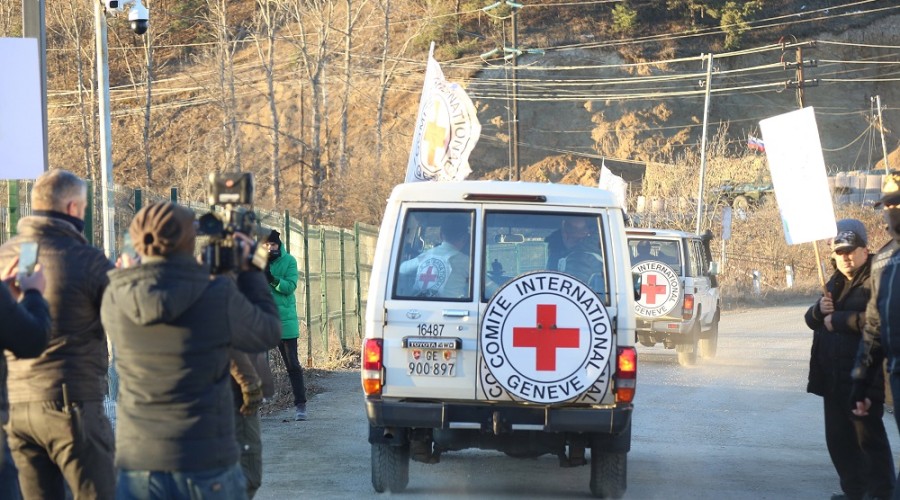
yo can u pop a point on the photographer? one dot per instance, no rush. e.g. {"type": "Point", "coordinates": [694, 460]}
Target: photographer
{"type": "Point", "coordinates": [173, 327]}
{"type": "Point", "coordinates": [26, 319]}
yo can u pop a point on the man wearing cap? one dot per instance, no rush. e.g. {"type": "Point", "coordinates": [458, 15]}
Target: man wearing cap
{"type": "Point", "coordinates": [858, 446]}
{"type": "Point", "coordinates": [282, 275]}
{"type": "Point", "coordinates": [58, 431]}
{"type": "Point", "coordinates": [173, 327]}
{"type": "Point", "coordinates": [881, 333]}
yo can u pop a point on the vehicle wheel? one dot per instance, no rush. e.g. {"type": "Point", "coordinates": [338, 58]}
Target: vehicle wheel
{"type": "Point", "coordinates": [709, 344]}
{"type": "Point", "coordinates": [390, 467]}
{"type": "Point", "coordinates": [740, 203]}
{"type": "Point", "coordinates": [608, 474]}
{"type": "Point", "coordinates": [687, 353]}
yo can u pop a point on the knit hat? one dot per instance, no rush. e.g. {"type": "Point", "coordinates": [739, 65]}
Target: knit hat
{"type": "Point", "coordinates": [274, 237]}
{"type": "Point", "coordinates": [851, 235]}
{"type": "Point", "coordinates": [163, 229]}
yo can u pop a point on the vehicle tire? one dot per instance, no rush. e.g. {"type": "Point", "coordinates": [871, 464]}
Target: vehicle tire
{"type": "Point", "coordinates": [710, 343]}
{"type": "Point", "coordinates": [687, 352]}
{"type": "Point", "coordinates": [740, 203]}
{"type": "Point", "coordinates": [390, 467]}
{"type": "Point", "coordinates": [608, 474]}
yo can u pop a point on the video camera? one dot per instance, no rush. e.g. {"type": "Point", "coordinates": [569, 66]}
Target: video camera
{"type": "Point", "coordinates": [234, 194]}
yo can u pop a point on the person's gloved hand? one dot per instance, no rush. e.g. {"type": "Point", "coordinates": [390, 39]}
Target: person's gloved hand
{"type": "Point", "coordinates": [269, 276]}
{"type": "Point", "coordinates": [253, 398]}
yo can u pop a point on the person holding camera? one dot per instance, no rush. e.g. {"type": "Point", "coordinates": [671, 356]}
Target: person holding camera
{"type": "Point", "coordinates": [173, 327]}
{"type": "Point", "coordinates": [858, 447]}
{"type": "Point", "coordinates": [282, 276]}
{"type": "Point", "coordinates": [58, 431]}
{"type": "Point", "coordinates": [26, 328]}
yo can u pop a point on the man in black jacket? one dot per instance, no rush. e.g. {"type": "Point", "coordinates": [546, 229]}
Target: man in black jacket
{"type": "Point", "coordinates": [858, 446]}
{"type": "Point", "coordinates": [25, 317]}
{"type": "Point", "coordinates": [173, 327]}
{"type": "Point", "coordinates": [881, 333]}
{"type": "Point", "coordinates": [57, 428]}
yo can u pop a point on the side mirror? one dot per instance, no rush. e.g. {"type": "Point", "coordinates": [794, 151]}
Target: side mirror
{"type": "Point", "coordinates": [713, 268]}
{"type": "Point", "coordinates": [636, 284]}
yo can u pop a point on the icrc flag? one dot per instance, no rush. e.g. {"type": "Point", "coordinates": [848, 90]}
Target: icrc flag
{"type": "Point", "coordinates": [612, 182]}
{"type": "Point", "coordinates": [446, 130]}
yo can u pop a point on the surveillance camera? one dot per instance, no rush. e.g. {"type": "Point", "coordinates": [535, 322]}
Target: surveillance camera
{"type": "Point", "coordinates": [138, 17]}
{"type": "Point", "coordinates": [111, 4]}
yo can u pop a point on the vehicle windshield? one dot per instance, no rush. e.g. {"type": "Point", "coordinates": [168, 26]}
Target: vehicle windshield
{"type": "Point", "coordinates": [665, 251]}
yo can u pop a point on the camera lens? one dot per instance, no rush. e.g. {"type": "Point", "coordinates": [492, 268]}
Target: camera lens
{"type": "Point", "coordinates": [140, 26]}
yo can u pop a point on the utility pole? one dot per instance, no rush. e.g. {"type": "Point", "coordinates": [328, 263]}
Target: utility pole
{"type": "Point", "coordinates": [881, 129]}
{"type": "Point", "coordinates": [709, 62]}
{"type": "Point", "coordinates": [106, 164]}
{"type": "Point", "coordinates": [797, 65]}
{"type": "Point", "coordinates": [514, 139]}
{"type": "Point", "coordinates": [34, 25]}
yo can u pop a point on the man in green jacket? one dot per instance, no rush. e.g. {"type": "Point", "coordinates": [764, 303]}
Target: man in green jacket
{"type": "Point", "coordinates": [282, 275]}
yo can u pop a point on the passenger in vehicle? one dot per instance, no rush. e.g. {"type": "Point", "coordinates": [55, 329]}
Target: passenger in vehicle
{"type": "Point", "coordinates": [443, 271]}
{"type": "Point", "coordinates": [572, 231]}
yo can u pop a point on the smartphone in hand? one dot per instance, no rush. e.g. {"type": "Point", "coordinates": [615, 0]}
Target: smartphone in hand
{"type": "Point", "coordinates": [28, 253]}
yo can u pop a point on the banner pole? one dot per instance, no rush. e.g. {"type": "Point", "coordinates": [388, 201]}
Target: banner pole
{"type": "Point", "coordinates": [819, 267]}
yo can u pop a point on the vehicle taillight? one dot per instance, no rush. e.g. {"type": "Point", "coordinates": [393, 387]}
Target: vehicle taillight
{"type": "Point", "coordinates": [372, 364]}
{"type": "Point", "coordinates": [687, 310]}
{"type": "Point", "coordinates": [626, 374]}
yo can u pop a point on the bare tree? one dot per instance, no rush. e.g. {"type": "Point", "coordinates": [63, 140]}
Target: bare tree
{"type": "Point", "coordinates": [267, 23]}
{"type": "Point", "coordinates": [351, 19]}
{"type": "Point", "coordinates": [70, 20]}
{"type": "Point", "coordinates": [312, 45]}
{"type": "Point", "coordinates": [224, 52]}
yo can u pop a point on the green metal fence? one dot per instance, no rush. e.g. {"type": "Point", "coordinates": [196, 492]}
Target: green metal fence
{"type": "Point", "coordinates": [334, 263]}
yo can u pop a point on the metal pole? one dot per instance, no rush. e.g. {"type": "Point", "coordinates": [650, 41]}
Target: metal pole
{"type": "Point", "coordinates": [881, 129]}
{"type": "Point", "coordinates": [515, 97]}
{"type": "Point", "coordinates": [106, 178]}
{"type": "Point", "coordinates": [34, 25]}
{"type": "Point", "coordinates": [709, 60]}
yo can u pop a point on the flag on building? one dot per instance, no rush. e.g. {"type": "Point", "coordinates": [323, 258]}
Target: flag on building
{"type": "Point", "coordinates": [756, 144]}
{"type": "Point", "coordinates": [447, 129]}
{"type": "Point", "coordinates": [613, 183]}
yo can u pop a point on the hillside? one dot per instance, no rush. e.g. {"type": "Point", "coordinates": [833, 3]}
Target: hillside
{"type": "Point", "coordinates": [595, 91]}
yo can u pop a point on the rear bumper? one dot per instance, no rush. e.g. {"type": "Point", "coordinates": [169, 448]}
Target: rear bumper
{"type": "Point", "coordinates": [674, 328]}
{"type": "Point", "coordinates": [442, 415]}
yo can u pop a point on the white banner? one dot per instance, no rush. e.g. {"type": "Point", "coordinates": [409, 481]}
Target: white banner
{"type": "Point", "coordinates": [613, 183]}
{"type": "Point", "coordinates": [798, 173]}
{"type": "Point", "coordinates": [447, 129]}
{"type": "Point", "coordinates": [21, 117]}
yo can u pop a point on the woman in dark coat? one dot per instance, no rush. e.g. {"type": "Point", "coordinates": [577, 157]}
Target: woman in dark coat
{"type": "Point", "coordinates": [858, 446]}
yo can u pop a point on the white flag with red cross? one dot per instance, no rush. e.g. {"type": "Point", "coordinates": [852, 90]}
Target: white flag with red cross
{"type": "Point", "coordinates": [447, 129]}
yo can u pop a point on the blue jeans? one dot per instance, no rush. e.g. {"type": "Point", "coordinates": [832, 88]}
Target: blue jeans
{"type": "Point", "coordinates": [215, 484]}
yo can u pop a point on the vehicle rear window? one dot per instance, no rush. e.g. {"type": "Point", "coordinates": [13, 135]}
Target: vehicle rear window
{"type": "Point", "coordinates": [435, 256]}
{"type": "Point", "coordinates": [665, 251]}
{"type": "Point", "coordinates": [520, 242]}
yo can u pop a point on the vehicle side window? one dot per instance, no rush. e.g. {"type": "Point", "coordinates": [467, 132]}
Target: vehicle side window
{"type": "Point", "coordinates": [701, 257]}
{"type": "Point", "coordinates": [435, 260]}
{"type": "Point", "coordinates": [694, 257]}
{"type": "Point", "coordinates": [518, 242]}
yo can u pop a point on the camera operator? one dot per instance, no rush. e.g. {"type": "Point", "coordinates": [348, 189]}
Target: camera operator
{"type": "Point", "coordinates": [173, 327]}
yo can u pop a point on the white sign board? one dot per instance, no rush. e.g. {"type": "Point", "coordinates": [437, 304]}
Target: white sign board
{"type": "Point", "coordinates": [798, 173]}
{"type": "Point", "coordinates": [21, 117]}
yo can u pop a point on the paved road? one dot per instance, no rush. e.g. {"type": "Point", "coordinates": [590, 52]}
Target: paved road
{"type": "Point", "coordinates": [740, 426]}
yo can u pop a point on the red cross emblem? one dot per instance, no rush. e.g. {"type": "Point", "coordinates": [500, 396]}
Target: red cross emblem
{"type": "Point", "coordinates": [427, 277]}
{"type": "Point", "coordinates": [651, 289]}
{"type": "Point", "coordinates": [546, 337]}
